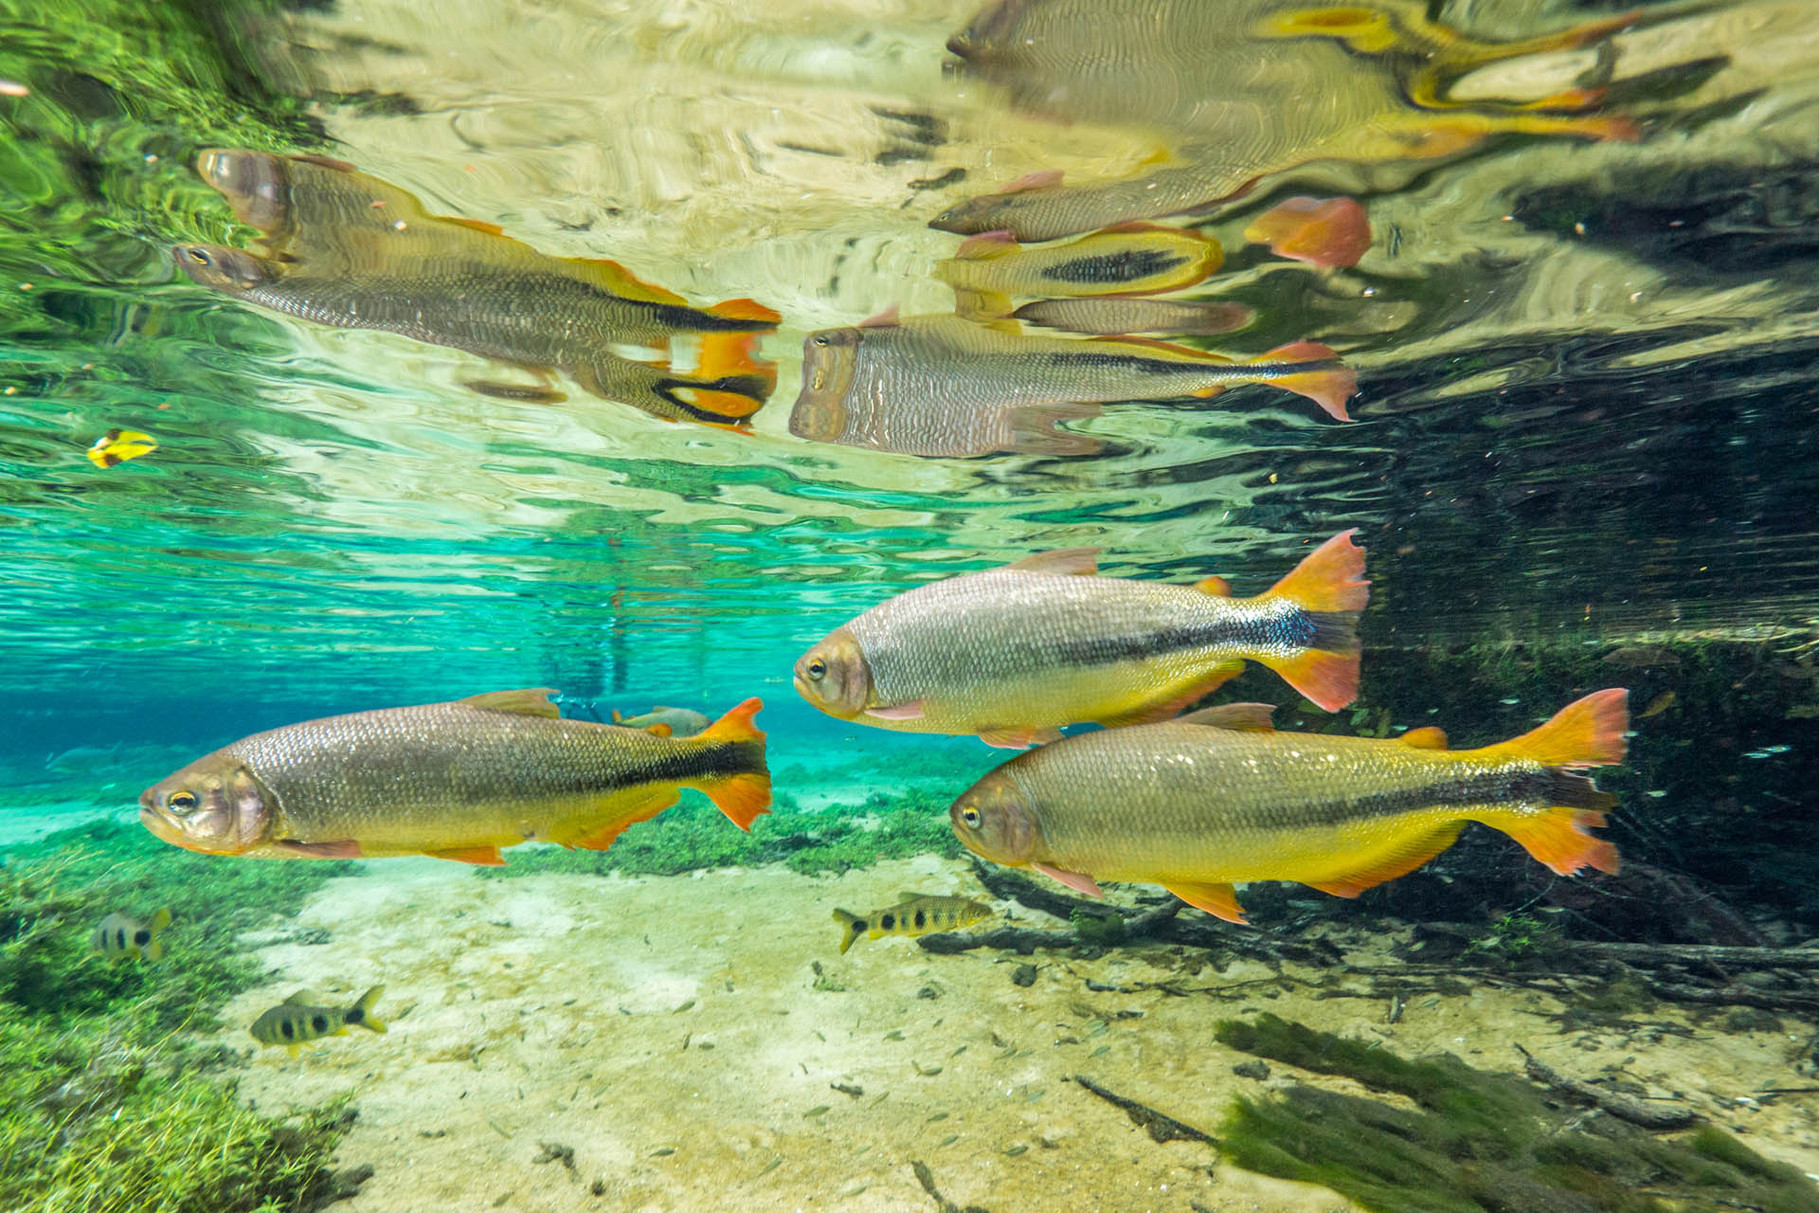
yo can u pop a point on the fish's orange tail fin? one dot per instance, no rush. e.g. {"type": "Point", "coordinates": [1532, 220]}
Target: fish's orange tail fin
{"type": "Point", "coordinates": [1329, 587]}
{"type": "Point", "coordinates": [1585, 733]}
{"type": "Point", "coordinates": [745, 796]}
{"type": "Point", "coordinates": [1329, 387]}
{"type": "Point", "coordinates": [746, 309]}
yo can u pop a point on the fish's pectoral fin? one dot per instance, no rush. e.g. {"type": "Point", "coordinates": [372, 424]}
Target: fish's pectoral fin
{"type": "Point", "coordinates": [1219, 900]}
{"type": "Point", "coordinates": [971, 304]}
{"type": "Point", "coordinates": [1073, 880]}
{"type": "Point", "coordinates": [913, 710]}
{"type": "Point", "coordinates": [598, 837]}
{"type": "Point", "coordinates": [1034, 432]}
{"type": "Point", "coordinates": [487, 857]}
{"type": "Point", "coordinates": [533, 701]}
{"type": "Point", "coordinates": [1415, 853]}
{"type": "Point", "coordinates": [1061, 562]}
{"type": "Point", "coordinates": [345, 848]}
{"type": "Point", "coordinates": [1018, 738]}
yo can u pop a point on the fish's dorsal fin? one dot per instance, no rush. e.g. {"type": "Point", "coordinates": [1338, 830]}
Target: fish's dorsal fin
{"type": "Point", "coordinates": [533, 701]}
{"type": "Point", "coordinates": [1041, 179]}
{"type": "Point", "coordinates": [1430, 738]}
{"type": "Point", "coordinates": [889, 318]}
{"type": "Point", "coordinates": [1062, 562]}
{"type": "Point", "coordinates": [615, 278]}
{"type": "Point", "coordinates": [986, 245]}
{"type": "Point", "coordinates": [1238, 717]}
{"type": "Point", "coordinates": [908, 895]}
{"type": "Point", "coordinates": [303, 998]}
{"type": "Point", "coordinates": [1218, 587]}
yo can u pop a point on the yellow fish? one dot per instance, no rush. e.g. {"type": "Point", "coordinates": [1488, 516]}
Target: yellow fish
{"type": "Point", "coordinates": [296, 1021]}
{"type": "Point", "coordinates": [119, 935]}
{"type": "Point", "coordinates": [117, 446]}
{"type": "Point", "coordinates": [1129, 259]}
{"type": "Point", "coordinates": [1218, 796]}
{"type": "Point", "coordinates": [913, 916]}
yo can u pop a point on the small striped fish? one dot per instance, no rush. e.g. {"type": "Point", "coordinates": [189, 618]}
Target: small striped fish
{"type": "Point", "coordinates": [914, 915]}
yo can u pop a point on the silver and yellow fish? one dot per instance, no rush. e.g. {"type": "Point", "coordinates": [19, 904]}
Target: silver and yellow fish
{"type": "Point", "coordinates": [297, 1021]}
{"type": "Point", "coordinates": [914, 915]}
{"type": "Point", "coordinates": [121, 935]}
{"type": "Point", "coordinates": [1218, 797]}
{"type": "Point", "coordinates": [1130, 259]}
{"type": "Point", "coordinates": [1014, 653]}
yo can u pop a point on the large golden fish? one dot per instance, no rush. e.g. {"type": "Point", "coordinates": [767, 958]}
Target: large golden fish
{"type": "Point", "coordinates": [347, 249]}
{"type": "Point", "coordinates": [1238, 90]}
{"type": "Point", "coordinates": [1014, 653]}
{"type": "Point", "coordinates": [455, 780]}
{"type": "Point", "coordinates": [1217, 797]}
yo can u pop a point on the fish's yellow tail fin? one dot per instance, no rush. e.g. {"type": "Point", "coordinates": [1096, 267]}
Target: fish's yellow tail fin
{"type": "Point", "coordinates": [852, 927]}
{"type": "Point", "coordinates": [1585, 733]}
{"type": "Point", "coordinates": [1328, 386]}
{"type": "Point", "coordinates": [362, 1011]}
{"type": "Point", "coordinates": [1329, 588]}
{"type": "Point", "coordinates": [153, 949]}
{"type": "Point", "coordinates": [744, 796]}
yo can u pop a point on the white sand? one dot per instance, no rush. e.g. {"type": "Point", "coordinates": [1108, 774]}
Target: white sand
{"type": "Point", "coordinates": [552, 1009]}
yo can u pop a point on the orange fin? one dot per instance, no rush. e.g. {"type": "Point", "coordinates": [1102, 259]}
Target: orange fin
{"type": "Point", "coordinates": [1430, 738]}
{"type": "Point", "coordinates": [1155, 713]}
{"type": "Point", "coordinates": [620, 281]}
{"type": "Point", "coordinates": [1328, 586]}
{"type": "Point", "coordinates": [531, 702]}
{"type": "Point", "coordinates": [1219, 900]}
{"type": "Point", "coordinates": [745, 309]}
{"type": "Point", "coordinates": [1328, 389]}
{"type": "Point", "coordinates": [602, 836]}
{"type": "Point", "coordinates": [986, 245]}
{"type": "Point", "coordinates": [724, 354]}
{"type": "Point", "coordinates": [1074, 880]}
{"type": "Point", "coordinates": [1418, 852]}
{"type": "Point", "coordinates": [746, 796]}
{"type": "Point", "coordinates": [478, 225]}
{"type": "Point", "coordinates": [483, 856]}
{"type": "Point", "coordinates": [659, 730]}
{"type": "Point", "coordinates": [1329, 578]}
{"type": "Point", "coordinates": [1041, 179]}
{"type": "Point", "coordinates": [1558, 838]}
{"type": "Point", "coordinates": [1218, 587]}
{"type": "Point", "coordinates": [915, 709]}
{"type": "Point", "coordinates": [1329, 680]}
{"type": "Point", "coordinates": [1585, 733]}
{"type": "Point", "coordinates": [1018, 739]}
{"type": "Point", "coordinates": [1240, 717]}
{"type": "Point", "coordinates": [345, 848]}
{"type": "Point", "coordinates": [1062, 562]}
{"type": "Point", "coordinates": [1327, 232]}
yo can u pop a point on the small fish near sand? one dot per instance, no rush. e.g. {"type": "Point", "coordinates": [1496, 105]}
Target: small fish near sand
{"type": "Point", "coordinates": [924, 385]}
{"type": "Point", "coordinates": [912, 917]}
{"type": "Point", "coordinates": [1219, 797]}
{"type": "Point", "coordinates": [120, 935]}
{"type": "Point", "coordinates": [297, 1020]}
{"type": "Point", "coordinates": [457, 780]}
{"type": "Point", "coordinates": [1129, 259]}
{"type": "Point", "coordinates": [681, 722]}
{"type": "Point", "coordinates": [346, 249]}
{"type": "Point", "coordinates": [1014, 653]}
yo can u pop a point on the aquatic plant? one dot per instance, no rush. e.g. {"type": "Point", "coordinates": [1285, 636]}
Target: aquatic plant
{"type": "Point", "coordinates": [1478, 1141]}
{"type": "Point", "coordinates": [1517, 936]}
{"type": "Point", "coordinates": [104, 1106]}
{"type": "Point", "coordinates": [692, 836]}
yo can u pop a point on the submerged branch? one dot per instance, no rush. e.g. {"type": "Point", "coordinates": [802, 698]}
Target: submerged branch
{"type": "Point", "coordinates": [1159, 1125]}
{"type": "Point", "coordinates": [1623, 1107]}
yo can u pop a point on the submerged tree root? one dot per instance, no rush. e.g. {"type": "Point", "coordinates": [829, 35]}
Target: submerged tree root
{"type": "Point", "coordinates": [1623, 1107]}
{"type": "Point", "coordinates": [1159, 1125]}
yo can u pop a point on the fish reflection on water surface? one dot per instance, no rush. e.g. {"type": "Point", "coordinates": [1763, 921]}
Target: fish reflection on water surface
{"type": "Point", "coordinates": [1225, 85]}
{"type": "Point", "coordinates": [454, 780]}
{"type": "Point", "coordinates": [1131, 259]}
{"type": "Point", "coordinates": [346, 249]}
{"type": "Point", "coordinates": [943, 385]}
{"type": "Point", "coordinates": [1219, 796]}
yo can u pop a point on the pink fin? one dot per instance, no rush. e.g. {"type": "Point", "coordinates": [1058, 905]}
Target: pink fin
{"type": "Point", "coordinates": [1062, 562]}
{"type": "Point", "coordinates": [886, 319]}
{"type": "Point", "coordinates": [903, 711]}
{"type": "Point", "coordinates": [345, 848]}
{"type": "Point", "coordinates": [1073, 880]}
{"type": "Point", "coordinates": [1219, 900]}
{"type": "Point", "coordinates": [1040, 180]}
{"type": "Point", "coordinates": [488, 857]}
{"type": "Point", "coordinates": [1239, 717]}
{"type": "Point", "coordinates": [986, 245]}
{"type": "Point", "coordinates": [1018, 739]}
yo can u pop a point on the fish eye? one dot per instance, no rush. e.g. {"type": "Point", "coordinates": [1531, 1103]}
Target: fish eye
{"type": "Point", "coordinates": [822, 341]}
{"type": "Point", "coordinates": [817, 669]}
{"type": "Point", "coordinates": [182, 803]}
{"type": "Point", "coordinates": [970, 816]}
{"type": "Point", "coordinates": [201, 256]}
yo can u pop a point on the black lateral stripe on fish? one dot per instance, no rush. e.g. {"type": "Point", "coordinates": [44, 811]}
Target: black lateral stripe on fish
{"type": "Point", "coordinates": [1114, 268]}
{"type": "Point", "coordinates": [1276, 624]}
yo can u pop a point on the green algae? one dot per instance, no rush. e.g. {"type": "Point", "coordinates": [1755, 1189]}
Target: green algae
{"type": "Point", "coordinates": [694, 836]}
{"type": "Point", "coordinates": [1476, 1141]}
{"type": "Point", "coordinates": [106, 1104]}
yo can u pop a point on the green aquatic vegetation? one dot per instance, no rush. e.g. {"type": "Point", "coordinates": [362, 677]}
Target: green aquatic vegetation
{"type": "Point", "coordinates": [1517, 937]}
{"type": "Point", "coordinates": [104, 1106]}
{"type": "Point", "coordinates": [1477, 1142]}
{"type": "Point", "coordinates": [693, 836]}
